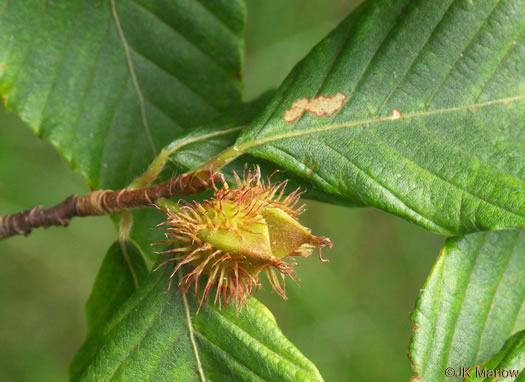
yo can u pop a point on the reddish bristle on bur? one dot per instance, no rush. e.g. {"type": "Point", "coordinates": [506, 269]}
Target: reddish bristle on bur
{"type": "Point", "coordinates": [221, 239]}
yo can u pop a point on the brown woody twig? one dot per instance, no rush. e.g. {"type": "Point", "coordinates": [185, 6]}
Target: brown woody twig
{"type": "Point", "coordinates": [104, 202]}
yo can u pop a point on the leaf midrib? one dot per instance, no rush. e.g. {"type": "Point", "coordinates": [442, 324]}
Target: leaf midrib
{"type": "Point", "coordinates": [243, 146]}
{"type": "Point", "coordinates": [191, 332]}
{"type": "Point", "coordinates": [133, 76]}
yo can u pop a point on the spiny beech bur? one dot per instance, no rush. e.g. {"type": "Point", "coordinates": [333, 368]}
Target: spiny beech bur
{"type": "Point", "coordinates": [241, 231]}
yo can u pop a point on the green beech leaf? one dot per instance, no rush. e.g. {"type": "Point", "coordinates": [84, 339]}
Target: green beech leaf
{"type": "Point", "coordinates": [432, 125]}
{"type": "Point", "coordinates": [65, 70]}
{"type": "Point", "coordinates": [507, 365]}
{"type": "Point", "coordinates": [120, 274]}
{"type": "Point", "coordinates": [472, 301]}
{"type": "Point", "coordinates": [157, 336]}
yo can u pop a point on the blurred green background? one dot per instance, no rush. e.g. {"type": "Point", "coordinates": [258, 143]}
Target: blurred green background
{"type": "Point", "coordinates": [350, 317]}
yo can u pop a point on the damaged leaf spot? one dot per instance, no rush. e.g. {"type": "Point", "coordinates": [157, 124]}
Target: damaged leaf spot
{"type": "Point", "coordinates": [320, 106]}
{"type": "Point", "coordinates": [309, 168]}
{"type": "Point", "coordinates": [395, 114]}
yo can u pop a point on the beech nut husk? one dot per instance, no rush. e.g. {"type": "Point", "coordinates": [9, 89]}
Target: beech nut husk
{"type": "Point", "coordinates": [243, 230]}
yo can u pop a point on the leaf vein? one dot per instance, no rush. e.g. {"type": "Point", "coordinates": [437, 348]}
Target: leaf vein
{"type": "Point", "coordinates": [434, 29]}
{"type": "Point", "coordinates": [435, 307]}
{"type": "Point", "coordinates": [112, 325]}
{"type": "Point", "coordinates": [372, 58]}
{"type": "Point", "coordinates": [422, 114]}
{"type": "Point", "coordinates": [277, 355]}
{"type": "Point", "coordinates": [176, 77]}
{"type": "Point", "coordinates": [386, 189]}
{"type": "Point", "coordinates": [89, 84]}
{"type": "Point", "coordinates": [191, 333]}
{"type": "Point", "coordinates": [291, 80]}
{"type": "Point", "coordinates": [130, 159]}
{"type": "Point", "coordinates": [166, 355]}
{"type": "Point", "coordinates": [438, 88]}
{"type": "Point", "coordinates": [202, 336]}
{"type": "Point", "coordinates": [213, 59]}
{"type": "Point", "coordinates": [502, 132]}
{"type": "Point", "coordinates": [332, 65]}
{"type": "Point", "coordinates": [122, 89]}
{"type": "Point", "coordinates": [522, 309]}
{"type": "Point", "coordinates": [299, 164]}
{"type": "Point", "coordinates": [433, 173]}
{"type": "Point", "coordinates": [491, 305]}
{"type": "Point", "coordinates": [518, 313]}
{"type": "Point", "coordinates": [62, 59]}
{"type": "Point", "coordinates": [498, 64]}
{"type": "Point", "coordinates": [456, 147]}
{"type": "Point", "coordinates": [177, 124]}
{"type": "Point", "coordinates": [456, 318]}
{"type": "Point", "coordinates": [222, 21]}
{"type": "Point", "coordinates": [28, 53]}
{"type": "Point", "coordinates": [141, 338]}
